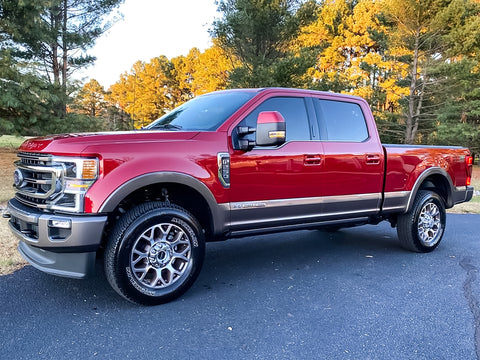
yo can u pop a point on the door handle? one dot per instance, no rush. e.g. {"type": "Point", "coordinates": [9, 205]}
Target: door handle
{"type": "Point", "coordinates": [372, 159]}
{"type": "Point", "coordinates": [312, 159]}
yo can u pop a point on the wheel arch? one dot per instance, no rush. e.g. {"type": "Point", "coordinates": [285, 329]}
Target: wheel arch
{"type": "Point", "coordinates": [434, 179]}
{"type": "Point", "coordinates": [181, 189]}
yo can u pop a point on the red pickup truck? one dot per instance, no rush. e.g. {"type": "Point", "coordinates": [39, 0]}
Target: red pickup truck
{"type": "Point", "coordinates": [226, 164]}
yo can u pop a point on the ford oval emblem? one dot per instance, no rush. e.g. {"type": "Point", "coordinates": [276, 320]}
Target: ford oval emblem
{"type": "Point", "coordinates": [18, 178]}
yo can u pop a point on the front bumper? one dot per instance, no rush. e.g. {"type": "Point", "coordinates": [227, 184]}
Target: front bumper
{"type": "Point", "coordinates": [72, 265]}
{"type": "Point", "coordinates": [63, 245]}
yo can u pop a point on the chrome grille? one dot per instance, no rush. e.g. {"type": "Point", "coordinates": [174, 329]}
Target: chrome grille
{"type": "Point", "coordinates": [34, 159]}
{"type": "Point", "coordinates": [37, 178]}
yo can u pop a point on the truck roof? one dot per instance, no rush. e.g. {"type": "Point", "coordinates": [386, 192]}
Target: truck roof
{"type": "Point", "coordinates": [289, 90]}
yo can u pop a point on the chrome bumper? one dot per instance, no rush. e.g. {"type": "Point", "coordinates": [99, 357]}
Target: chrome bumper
{"type": "Point", "coordinates": [63, 245]}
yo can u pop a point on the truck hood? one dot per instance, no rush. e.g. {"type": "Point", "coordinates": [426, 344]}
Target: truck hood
{"type": "Point", "coordinates": [65, 144]}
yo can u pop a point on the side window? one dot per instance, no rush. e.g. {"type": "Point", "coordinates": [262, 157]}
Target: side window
{"type": "Point", "coordinates": [293, 111]}
{"type": "Point", "coordinates": [340, 121]}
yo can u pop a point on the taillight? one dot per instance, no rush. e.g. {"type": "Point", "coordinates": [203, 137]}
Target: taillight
{"type": "Point", "coordinates": [469, 165]}
{"type": "Point", "coordinates": [469, 160]}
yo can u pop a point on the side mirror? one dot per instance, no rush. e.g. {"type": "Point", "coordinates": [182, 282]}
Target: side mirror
{"type": "Point", "coordinates": [271, 129]}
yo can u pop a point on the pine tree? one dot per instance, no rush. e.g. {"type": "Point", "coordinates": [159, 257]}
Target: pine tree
{"type": "Point", "coordinates": [258, 34]}
{"type": "Point", "coordinates": [427, 35]}
{"type": "Point", "coordinates": [43, 43]}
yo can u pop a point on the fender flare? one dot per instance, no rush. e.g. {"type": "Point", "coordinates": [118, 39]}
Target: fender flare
{"type": "Point", "coordinates": [423, 176]}
{"type": "Point", "coordinates": [218, 215]}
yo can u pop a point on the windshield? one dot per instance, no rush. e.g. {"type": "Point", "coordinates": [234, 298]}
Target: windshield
{"type": "Point", "coordinates": [204, 113]}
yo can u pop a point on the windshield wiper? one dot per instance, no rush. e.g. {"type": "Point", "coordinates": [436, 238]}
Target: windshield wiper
{"type": "Point", "coordinates": [166, 127]}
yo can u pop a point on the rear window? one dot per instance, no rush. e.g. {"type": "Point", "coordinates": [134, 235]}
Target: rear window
{"type": "Point", "coordinates": [340, 121]}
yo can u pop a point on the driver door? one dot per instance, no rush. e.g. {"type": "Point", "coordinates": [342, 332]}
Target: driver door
{"type": "Point", "coordinates": [277, 186]}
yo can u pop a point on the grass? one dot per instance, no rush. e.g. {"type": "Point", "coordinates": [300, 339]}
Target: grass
{"type": "Point", "coordinates": [6, 175]}
{"type": "Point", "coordinates": [473, 206]}
{"type": "Point", "coordinates": [10, 259]}
{"type": "Point", "coordinates": [11, 142]}
{"type": "Point", "coordinates": [476, 178]}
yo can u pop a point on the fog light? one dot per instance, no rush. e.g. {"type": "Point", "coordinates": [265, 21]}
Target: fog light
{"type": "Point", "coordinates": [60, 223]}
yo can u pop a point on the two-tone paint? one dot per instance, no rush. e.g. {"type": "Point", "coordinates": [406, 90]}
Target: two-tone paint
{"type": "Point", "coordinates": [301, 184]}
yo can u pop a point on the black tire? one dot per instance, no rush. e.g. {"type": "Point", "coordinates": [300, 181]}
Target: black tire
{"type": "Point", "coordinates": [154, 254]}
{"type": "Point", "coordinates": [422, 228]}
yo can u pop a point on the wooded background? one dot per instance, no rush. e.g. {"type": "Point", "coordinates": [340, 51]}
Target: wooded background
{"type": "Point", "coordinates": [416, 62]}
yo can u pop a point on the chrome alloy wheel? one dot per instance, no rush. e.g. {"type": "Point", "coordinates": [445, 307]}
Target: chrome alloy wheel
{"type": "Point", "coordinates": [429, 224]}
{"type": "Point", "coordinates": [160, 256]}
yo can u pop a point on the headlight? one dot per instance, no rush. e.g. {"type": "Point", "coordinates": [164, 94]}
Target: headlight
{"type": "Point", "coordinates": [79, 174]}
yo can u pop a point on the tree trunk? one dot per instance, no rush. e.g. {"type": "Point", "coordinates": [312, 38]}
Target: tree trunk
{"type": "Point", "coordinates": [62, 106]}
{"type": "Point", "coordinates": [412, 119]}
{"type": "Point", "coordinates": [57, 22]}
{"type": "Point", "coordinates": [64, 46]}
{"type": "Point", "coordinates": [54, 47]}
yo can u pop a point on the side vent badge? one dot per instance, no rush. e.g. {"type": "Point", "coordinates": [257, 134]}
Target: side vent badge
{"type": "Point", "coordinates": [223, 160]}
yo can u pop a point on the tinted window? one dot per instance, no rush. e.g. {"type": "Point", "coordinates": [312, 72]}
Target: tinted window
{"type": "Point", "coordinates": [293, 111]}
{"type": "Point", "coordinates": [206, 112]}
{"type": "Point", "coordinates": [340, 121]}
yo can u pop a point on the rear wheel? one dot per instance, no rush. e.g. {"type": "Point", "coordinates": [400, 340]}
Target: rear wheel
{"type": "Point", "coordinates": [422, 228]}
{"type": "Point", "coordinates": [154, 253]}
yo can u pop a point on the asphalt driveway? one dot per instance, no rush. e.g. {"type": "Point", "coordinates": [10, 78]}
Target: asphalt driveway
{"type": "Point", "coordinates": [354, 294]}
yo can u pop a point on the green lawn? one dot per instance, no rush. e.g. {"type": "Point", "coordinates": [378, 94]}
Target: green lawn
{"type": "Point", "coordinates": [10, 141]}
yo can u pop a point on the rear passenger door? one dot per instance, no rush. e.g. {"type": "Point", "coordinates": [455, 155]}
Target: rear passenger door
{"type": "Point", "coordinates": [353, 158]}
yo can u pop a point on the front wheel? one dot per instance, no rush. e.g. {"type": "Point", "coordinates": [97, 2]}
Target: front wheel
{"type": "Point", "coordinates": [154, 253]}
{"type": "Point", "coordinates": [422, 228]}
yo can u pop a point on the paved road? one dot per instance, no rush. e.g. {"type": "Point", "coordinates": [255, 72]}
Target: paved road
{"type": "Point", "coordinates": [300, 295]}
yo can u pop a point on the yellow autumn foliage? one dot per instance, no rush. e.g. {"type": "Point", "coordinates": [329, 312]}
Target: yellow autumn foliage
{"type": "Point", "coordinates": [349, 54]}
{"type": "Point", "coordinates": [153, 88]}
